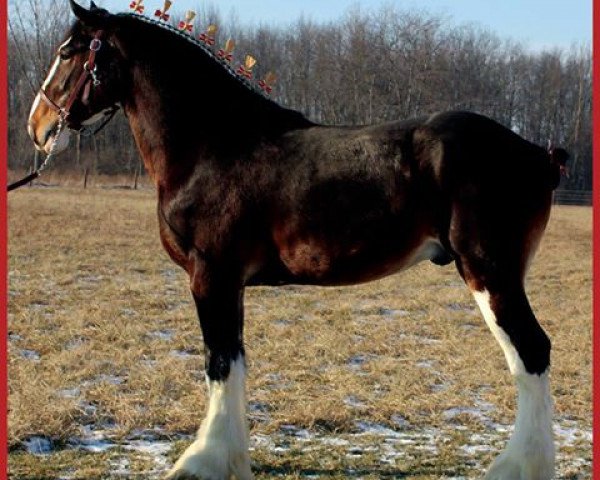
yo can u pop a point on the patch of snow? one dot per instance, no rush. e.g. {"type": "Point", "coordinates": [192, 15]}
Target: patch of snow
{"type": "Point", "coordinates": [69, 392]}
{"type": "Point", "coordinates": [334, 441]}
{"type": "Point", "coordinates": [457, 307]}
{"type": "Point", "coordinates": [93, 439]}
{"type": "Point", "coordinates": [419, 339]}
{"type": "Point", "coordinates": [372, 428]}
{"type": "Point", "coordinates": [475, 449]}
{"type": "Point", "coordinates": [88, 408]}
{"type": "Point", "coordinates": [400, 421]}
{"type": "Point", "coordinates": [30, 355]}
{"type": "Point", "coordinates": [301, 433]}
{"type": "Point", "coordinates": [120, 466]}
{"type": "Point", "coordinates": [357, 361]}
{"type": "Point", "coordinates": [158, 449]}
{"type": "Point", "coordinates": [282, 322]}
{"type": "Point", "coordinates": [258, 411]}
{"type": "Point", "coordinates": [166, 335]}
{"type": "Point", "coordinates": [93, 279]}
{"type": "Point", "coordinates": [353, 402]}
{"type": "Point", "coordinates": [393, 312]}
{"type": "Point", "coordinates": [438, 387]}
{"type": "Point", "coordinates": [425, 363]}
{"type": "Point", "coordinates": [93, 445]}
{"type": "Point", "coordinates": [570, 434]}
{"type": "Point", "coordinates": [183, 354]}
{"type": "Point", "coordinates": [468, 327]}
{"type": "Point", "coordinates": [103, 378]}
{"type": "Point", "coordinates": [38, 445]}
{"type": "Point", "coordinates": [169, 273]}
{"type": "Point", "coordinates": [260, 440]}
{"type": "Point", "coordinates": [150, 363]}
{"type": "Point", "coordinates": [75, 343]}
{"type": "Point", "coordinates": [456, 411]}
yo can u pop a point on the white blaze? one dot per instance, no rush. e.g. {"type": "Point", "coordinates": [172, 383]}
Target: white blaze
{"type": "Point", "coordinates": [46, 84]}
{"type": "Point", "coordinates": [51, 73]}
{"type": "Point", "coordinates": [62, 142]}
{"type": "Point", "coordinates": [34, 106]}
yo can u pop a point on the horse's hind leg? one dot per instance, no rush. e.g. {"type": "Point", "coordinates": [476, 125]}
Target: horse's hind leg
{"type": "Point", "coordinates": [529, 454]}
{"type": "Point", "coordinates": [495, 277]}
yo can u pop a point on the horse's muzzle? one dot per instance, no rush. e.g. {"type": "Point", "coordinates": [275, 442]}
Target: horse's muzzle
{"type": "Point", "coordinates": [47, 141]}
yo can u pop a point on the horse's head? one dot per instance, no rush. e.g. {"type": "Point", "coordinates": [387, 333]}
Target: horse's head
{"type": "Point", "coordinates": [83, 83]}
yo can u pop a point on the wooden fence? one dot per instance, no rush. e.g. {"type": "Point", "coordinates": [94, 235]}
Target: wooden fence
{"type": "Point", "coordinates": [573, 197]}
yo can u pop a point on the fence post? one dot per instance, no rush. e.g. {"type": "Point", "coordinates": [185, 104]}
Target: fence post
{"type": "Point", "coordinates": [78, 150]}
{"type": "Point", "coordinates": [36, 161]}
{"type": "Point", "coordinates": [85, 177]}
{"type": "Point", "coordinates": [135, 180]}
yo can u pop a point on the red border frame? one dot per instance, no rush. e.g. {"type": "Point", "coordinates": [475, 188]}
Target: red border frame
{"type": "Point", "coordinates": [3, 242]}
{"type": "Point", "coordinates": [596, 240]}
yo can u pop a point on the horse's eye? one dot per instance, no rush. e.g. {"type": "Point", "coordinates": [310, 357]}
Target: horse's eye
{"type": "Point", "coordinates": [65, 53]}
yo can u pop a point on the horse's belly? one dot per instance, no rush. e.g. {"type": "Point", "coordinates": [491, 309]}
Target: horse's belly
{"type": "Point", "coordinates": [317, 263]}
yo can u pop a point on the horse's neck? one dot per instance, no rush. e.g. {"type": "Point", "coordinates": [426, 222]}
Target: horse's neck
{"type": "Point", "coordinates": [185, 118]}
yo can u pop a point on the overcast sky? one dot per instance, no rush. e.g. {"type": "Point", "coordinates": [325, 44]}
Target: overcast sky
{"type": "Point", "coordinates": [538, 23]}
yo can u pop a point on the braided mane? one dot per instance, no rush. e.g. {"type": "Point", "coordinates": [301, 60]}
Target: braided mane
{"type": "Point", "coordinates": [190, 39]}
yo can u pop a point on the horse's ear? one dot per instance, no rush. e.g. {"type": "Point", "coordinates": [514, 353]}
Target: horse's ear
{"type": "Point", "coordinates": [93, 5]}
{"type": "Point", "coordinates": [94, 17]}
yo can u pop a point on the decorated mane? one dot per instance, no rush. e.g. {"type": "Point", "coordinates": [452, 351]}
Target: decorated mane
{"type": "Point", "coordinates": [205, 42]}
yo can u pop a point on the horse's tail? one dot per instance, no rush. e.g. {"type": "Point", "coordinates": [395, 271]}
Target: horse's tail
{"type": "Point", "coordinates": [558, 165]}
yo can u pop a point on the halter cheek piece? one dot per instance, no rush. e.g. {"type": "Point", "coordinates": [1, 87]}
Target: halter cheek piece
{"type": "Point", "coordinates": [83, 83]}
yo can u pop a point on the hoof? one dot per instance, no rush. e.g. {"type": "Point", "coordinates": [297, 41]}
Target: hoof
{"type": "Point", "coordinates": [201, 463]}
{"type": "Point", "coordinates": [521, 467]}
{"type": "Point", "coordinates": [179, 475]}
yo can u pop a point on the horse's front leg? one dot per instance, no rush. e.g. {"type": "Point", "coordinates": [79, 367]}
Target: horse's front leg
{"type": "Point", "coordinates": [220, 451]}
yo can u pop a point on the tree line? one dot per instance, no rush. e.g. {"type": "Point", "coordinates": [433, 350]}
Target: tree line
{"type": "Point", "coordinates": [366, 67]}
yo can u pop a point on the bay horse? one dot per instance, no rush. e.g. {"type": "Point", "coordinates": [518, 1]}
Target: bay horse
{"type": "Point", "coordinates": [252, 193]}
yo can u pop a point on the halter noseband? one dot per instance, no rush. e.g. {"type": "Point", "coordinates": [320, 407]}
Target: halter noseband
{"type": "Point", "coordinates": [89, 69]}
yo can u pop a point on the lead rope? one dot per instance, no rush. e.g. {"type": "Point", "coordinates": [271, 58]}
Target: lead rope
{"type": "Point", "coordinates": [32, 176]}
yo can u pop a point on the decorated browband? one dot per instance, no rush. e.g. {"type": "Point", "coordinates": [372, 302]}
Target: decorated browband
{"type": "Point", "coordinates": [208, 38]}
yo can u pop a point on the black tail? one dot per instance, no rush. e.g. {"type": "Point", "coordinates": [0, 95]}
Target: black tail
{"type": "Point", "coordinates": [558, 165]}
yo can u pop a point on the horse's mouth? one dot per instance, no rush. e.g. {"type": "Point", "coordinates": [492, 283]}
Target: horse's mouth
{"type": "Point", "coordinates": [55, 144]}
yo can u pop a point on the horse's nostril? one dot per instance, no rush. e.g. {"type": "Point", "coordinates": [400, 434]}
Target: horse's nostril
{"type": "Point", "coordinates": [47, 134]}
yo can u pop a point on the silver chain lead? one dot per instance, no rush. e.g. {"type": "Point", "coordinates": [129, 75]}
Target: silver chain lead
{"type": "Point", "coordinates": [59, 129]}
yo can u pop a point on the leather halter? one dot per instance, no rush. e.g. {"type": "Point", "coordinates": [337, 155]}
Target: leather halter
{"type": "Point", "coordinates": [89, 69]}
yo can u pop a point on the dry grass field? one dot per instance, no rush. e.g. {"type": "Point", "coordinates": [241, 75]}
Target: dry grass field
{"type": "Point", "coordinates": [398, 378]}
